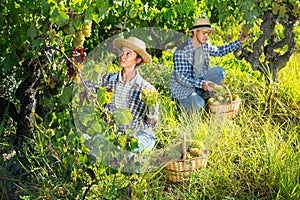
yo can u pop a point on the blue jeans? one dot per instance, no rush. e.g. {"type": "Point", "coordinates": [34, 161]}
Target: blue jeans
{"type": "Point", "coordinates": [195, 101]}
{"type": "Point", "coordinates": [146, 140]}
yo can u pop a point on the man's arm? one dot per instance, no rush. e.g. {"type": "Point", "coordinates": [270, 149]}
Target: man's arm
{"type": "Point", "coordinates": [223, 50]}
{"type": "Point", "coordinates": [228, 48]}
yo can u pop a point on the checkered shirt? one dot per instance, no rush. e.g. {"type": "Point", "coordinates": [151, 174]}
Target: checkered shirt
{"type": "Point", "coordinates": [183, 82]}
{"type": "Point", "coordinates": [134, 102]}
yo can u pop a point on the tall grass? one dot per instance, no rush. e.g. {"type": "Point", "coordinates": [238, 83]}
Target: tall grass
{"type": "Point", "coordinates": [254, 156]}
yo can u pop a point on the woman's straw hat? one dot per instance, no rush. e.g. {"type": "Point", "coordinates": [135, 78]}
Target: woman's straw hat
{"type": "Point", "coordinates": [202, 24]}
{"type": "Point", "coordinates": [135, 44]}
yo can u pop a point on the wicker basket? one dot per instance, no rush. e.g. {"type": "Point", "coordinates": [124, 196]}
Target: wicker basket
{"type": "Point", "coordinates": [180, 170]}
{"type": "Point", "coordinates": [228, 110]}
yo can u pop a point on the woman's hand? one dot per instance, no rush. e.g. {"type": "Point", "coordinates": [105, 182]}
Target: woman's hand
{"type": "Point", "coordinates": [152, 114]}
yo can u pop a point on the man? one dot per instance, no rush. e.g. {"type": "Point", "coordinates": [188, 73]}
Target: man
{"type": "Point", "coordinates": [192, 76]}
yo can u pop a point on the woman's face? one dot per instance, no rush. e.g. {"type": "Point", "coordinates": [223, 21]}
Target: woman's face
{"type": "Point", "coordinates": [128, 58]}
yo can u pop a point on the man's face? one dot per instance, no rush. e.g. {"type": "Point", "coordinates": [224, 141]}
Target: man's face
{"type": "Point", "coordinates": [202, 35]}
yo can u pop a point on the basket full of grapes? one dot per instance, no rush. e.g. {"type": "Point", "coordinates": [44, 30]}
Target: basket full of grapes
{"type": "Point", "coordinates": [223, 103]}
{"type": "Point", "coordinates": [194, 158]}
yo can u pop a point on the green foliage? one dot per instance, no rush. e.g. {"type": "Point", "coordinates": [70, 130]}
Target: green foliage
{"type": "Point", "coordinates": [290, 90]}
{"type": "Point", "coordinates": [227, 13]}
{"type": "Point", "coordinates": [253, 156]}
{"type": "Point", "coordinates": [122, 116]}
{"type": "Point", "coordinates": [103, 96]}
{"type": "Point", "coordinates": [258, 148]}
{"type": "Point", "coordinates": [28, 26]}
{"type": "Point", "coordinates": [174, 15]}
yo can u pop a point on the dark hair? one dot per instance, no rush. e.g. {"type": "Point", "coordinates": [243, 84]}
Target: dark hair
{"type": "Point", "coordinates": [138, 56]}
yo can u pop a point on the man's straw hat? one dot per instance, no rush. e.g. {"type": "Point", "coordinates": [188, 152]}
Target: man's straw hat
{"type": "Point", "coordinates": [202, 24]}
{"type": "Point", "coordinates": [135, 44]}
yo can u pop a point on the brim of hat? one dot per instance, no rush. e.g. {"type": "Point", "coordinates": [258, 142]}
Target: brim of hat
{"type": "Point", "coordinates": [119, 43]}
{"type": "Point", "coordinates": [201, 28]}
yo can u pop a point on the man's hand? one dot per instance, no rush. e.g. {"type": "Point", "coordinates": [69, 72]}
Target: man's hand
{"type": "Point", "coordinates": [206, 87]}
{"type": "Point", "coordinates": [244, 36]}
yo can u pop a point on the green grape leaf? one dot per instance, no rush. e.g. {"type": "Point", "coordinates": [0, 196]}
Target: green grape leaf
{"type": "Point", "coordinates": [122, 141]}
{"type": "Point", "coordinates": [9, 61]}
{"type": "Point", "coordinates": [59, 18]}
{"type": "Point", "coordinates": [31, 32]}
{"type": "Point", "coordinates": [97, 127]}
{"type": "Point", "coordinates": [103, 96]}
{"type": "Point", "coordinates": [133, 143]}
{"type": "Point", "coordinates": [85, 118]}
{"type": "Point", "coordinates": [122, 116]}
{"type": "Point", "coordinates": [66, 95]}
{"type": "Point", "coordinates": [70, 29]}
{"type": "Point", "coordinates": [89, 14]}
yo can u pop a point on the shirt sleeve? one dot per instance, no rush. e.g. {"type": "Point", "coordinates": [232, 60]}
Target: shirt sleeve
{"type": "Point", "coordinates": [92, 86]}
{"type": "Point", "coordinates": [184, 71]}
{"type": "Point", "coordinates": [223, 50]}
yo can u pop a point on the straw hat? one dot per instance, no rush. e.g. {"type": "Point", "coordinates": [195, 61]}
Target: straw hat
{"type": "Point", "coordinates": [135, 44]}
{"type": "Point", "coordinates": [202, 24]}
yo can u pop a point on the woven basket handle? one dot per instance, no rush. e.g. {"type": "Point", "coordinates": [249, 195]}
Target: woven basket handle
{"type": "Point", "coordinates": [184, 146]}
{"type": "Point", "coordinates": [229, 93]}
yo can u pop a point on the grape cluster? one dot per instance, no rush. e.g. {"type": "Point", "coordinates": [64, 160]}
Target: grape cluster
{"type": "Point", "coordinates": [149, 97]}
{"type": "Point", "coordinates": [87, 29]}
{"type": "Point", "coordinates": [195, 148]}
{"type": "Point", "coordinates": [79, 38]}
{"type": "Point", "coordinates": [221, 96]}
{"type": "Point", "coordinates": [82, 33]}
{"type": "Point", "coordinates": [51, 32]}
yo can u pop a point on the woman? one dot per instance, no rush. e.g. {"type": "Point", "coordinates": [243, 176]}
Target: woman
{"type": "Point", "coordinates": [127, 86]}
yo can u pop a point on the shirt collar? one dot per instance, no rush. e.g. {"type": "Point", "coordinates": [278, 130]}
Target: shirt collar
{"type": "Point", "coordinates": [190, 44]}
{"type": "Point", "coordinates": [137, 79]}
{"type": "Point", "coordinates": [132, 81]}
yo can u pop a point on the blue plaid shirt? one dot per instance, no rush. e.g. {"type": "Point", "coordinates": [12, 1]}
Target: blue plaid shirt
{"type": "Point", "coordinates": [134, 102]}
{"type": "Point", "coordinates": [183, 82]}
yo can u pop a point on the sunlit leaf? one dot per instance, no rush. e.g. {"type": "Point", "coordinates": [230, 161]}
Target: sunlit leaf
{"type": "Point", "coordinates": [122, 116]}
{"type": "Point", "coordinates": [103, 96]}
{"type": "Point", "coordinates": [122, 141]}
{"type": "Point", "coordinates": [133, 143]}
{"type": "Point", "coordinates": [58, 17]}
